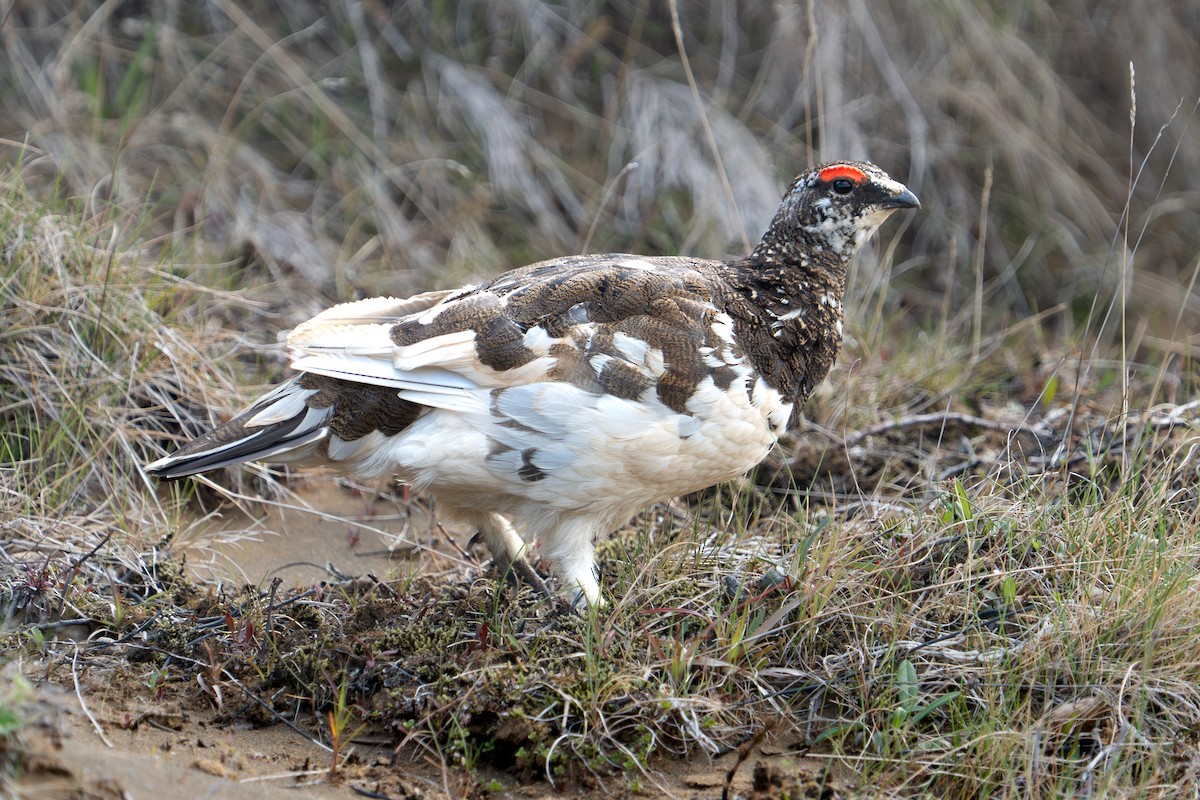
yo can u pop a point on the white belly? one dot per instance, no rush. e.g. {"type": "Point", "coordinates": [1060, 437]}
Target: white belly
{"type": "Point", "coordinates": [567, 449]}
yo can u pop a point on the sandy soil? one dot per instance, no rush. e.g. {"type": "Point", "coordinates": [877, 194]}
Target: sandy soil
{"type": "Point", "coordinates": [180, 745]}
{"type": "Point", "coordinates": [187, 754]}
{"type": "Point", "coordinates": [372, 534]}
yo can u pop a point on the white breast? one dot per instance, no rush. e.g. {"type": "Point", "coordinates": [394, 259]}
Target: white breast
{"type": "Point", "coordinates": [590, 452]}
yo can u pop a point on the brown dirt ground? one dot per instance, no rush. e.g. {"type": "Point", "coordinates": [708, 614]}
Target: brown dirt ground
{"type": "Point", "coordinates": [177, 744]}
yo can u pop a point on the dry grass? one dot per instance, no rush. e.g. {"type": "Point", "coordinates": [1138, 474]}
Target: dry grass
{"type": "Point", "coordinates": [386, 151]}
{"type": "Point", "coordinates": [972, 573]}
{"type": "Point", "coordinates": [101, 367]}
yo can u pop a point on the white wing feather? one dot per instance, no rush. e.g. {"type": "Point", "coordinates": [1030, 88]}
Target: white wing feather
{"type": "Point", "coordinates": [353, 342]}
{"type": "Point", "coordinates": [377, 310]}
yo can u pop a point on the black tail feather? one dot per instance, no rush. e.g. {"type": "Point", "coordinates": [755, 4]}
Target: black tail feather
{"type": "Point", "coordinates": [236, 442]}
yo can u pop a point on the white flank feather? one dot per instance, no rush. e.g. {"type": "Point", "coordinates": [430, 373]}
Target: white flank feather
{"type": "Point", "coordinates": [340, 449]}
{"type": "Point", "coordinates": [631, 347]}
{"type": "Point", "coordinates": [460, 400]}
{"type": "Point", "coordinates": [537, 340]}
{"type": "Point", "coordinates": [284, 408]}
{"type": "Point", "coordinates": [434, 379]}
{"type": "Point", "coordinates": [359, 369]}
{"type": "Point", "coordinates": [549, 408]}
{"type": "Point", "coordinates": [723, 327]}
{"type": "Point", "coordinates": [375, 310]}
{"type": "Point", "coordinates": [532, 372]}
{"type": "Point", "coordinates": [707, 400]}
{"type": "Point", "coordinates": [625, 420]}
{"type": "Point", "coordinates": [655, 362]}
{"type": "Point", "coordinates": [447, 350]}
{"type": "Point", "coordinates": [374, 339]}
{"type": "Point", "coordinates": [455, 352]}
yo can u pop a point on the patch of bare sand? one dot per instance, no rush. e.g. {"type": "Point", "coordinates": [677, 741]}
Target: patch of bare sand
{"type": "Point", "coordinates": [164, 750]}
{"type": "Point", "coordinates": [347, 533]}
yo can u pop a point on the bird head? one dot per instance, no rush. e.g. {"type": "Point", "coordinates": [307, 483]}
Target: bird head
{"type": "Point", "coordinates": [829, 212]}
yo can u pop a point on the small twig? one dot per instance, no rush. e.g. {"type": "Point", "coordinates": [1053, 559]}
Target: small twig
{"type": "Point", "coordinates": [302, 773]}
{"type": "Point", "coordinates": [1175, 416]}
{"type": "Point", "coordinates": [942, 418]}
{"type": "Point", "coordinates": [215, 625]}
{"type": "Point", "coordinates": [74, 570]}
{"type": "Point", "coordinates": [267, 628]}
{"type": "Point", "coordinates": [743, 753]}
{"type": "Point", "coordinates": [677, 29]}
{"type": "Point", "coordinates": [608, 190]}
{"type": "Point", "coordinates": [977, 259]}
{"type": "Point", "coordinates": [270, 710]}
{"type": "Point", "coordinates": [79, 696]}
{"type": "Point", "coordinates": [153, 723]}
{"type": "Point", "coordinates": [958, 469]}
{"type": "Point", "coordinates": [294, 598]}
{"type": "Point", "coordinates": [129, 636]}
{"type": "Point", "coordinates": [62, 623]}
{"type": "Point", "coordinates": [380, 585]}
{"type": "Point", "coordinates": [108, 263]}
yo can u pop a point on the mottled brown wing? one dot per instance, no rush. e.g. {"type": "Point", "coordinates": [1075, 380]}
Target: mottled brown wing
{"type": "Point", "coordinates": [611, 324]}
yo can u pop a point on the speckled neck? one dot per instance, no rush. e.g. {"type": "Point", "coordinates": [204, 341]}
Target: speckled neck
{"type": "Point", "coordinates": [787, 311]}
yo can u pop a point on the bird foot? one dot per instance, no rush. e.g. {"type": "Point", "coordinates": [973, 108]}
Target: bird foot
{"type": "Point", "coordinates": [521, 571]}
{"type": "Point", "coordinates": [517, 570]}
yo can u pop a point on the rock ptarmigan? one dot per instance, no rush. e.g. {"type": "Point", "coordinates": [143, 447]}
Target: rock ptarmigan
{"type": "Point", "coordinates": [555, 401]}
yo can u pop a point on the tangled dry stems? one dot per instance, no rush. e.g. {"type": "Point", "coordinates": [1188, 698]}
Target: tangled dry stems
{"type": "Point", "coordinates": [378, 150]}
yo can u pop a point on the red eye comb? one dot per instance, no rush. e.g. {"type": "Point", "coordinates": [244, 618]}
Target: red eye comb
{"type": "Point", "coordinates": [842, 171]}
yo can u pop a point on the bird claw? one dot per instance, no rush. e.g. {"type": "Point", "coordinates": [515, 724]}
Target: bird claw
{"type": "Point", "coordinates": [522, 571]}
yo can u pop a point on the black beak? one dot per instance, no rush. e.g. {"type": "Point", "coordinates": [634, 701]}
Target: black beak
{"type": "Point", "coordinates": [905, 199]}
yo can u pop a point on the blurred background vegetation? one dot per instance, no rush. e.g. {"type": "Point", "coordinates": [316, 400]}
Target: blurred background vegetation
{"type": "Point", "coordinates": [340, 149]}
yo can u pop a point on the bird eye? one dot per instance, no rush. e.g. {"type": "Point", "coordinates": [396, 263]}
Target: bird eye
{"type": "Point", "coordinates": [843, 186]}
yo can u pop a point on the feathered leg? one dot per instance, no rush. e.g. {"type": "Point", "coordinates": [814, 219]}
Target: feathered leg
{"type": "Point", "coordinates": [568, 546]}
